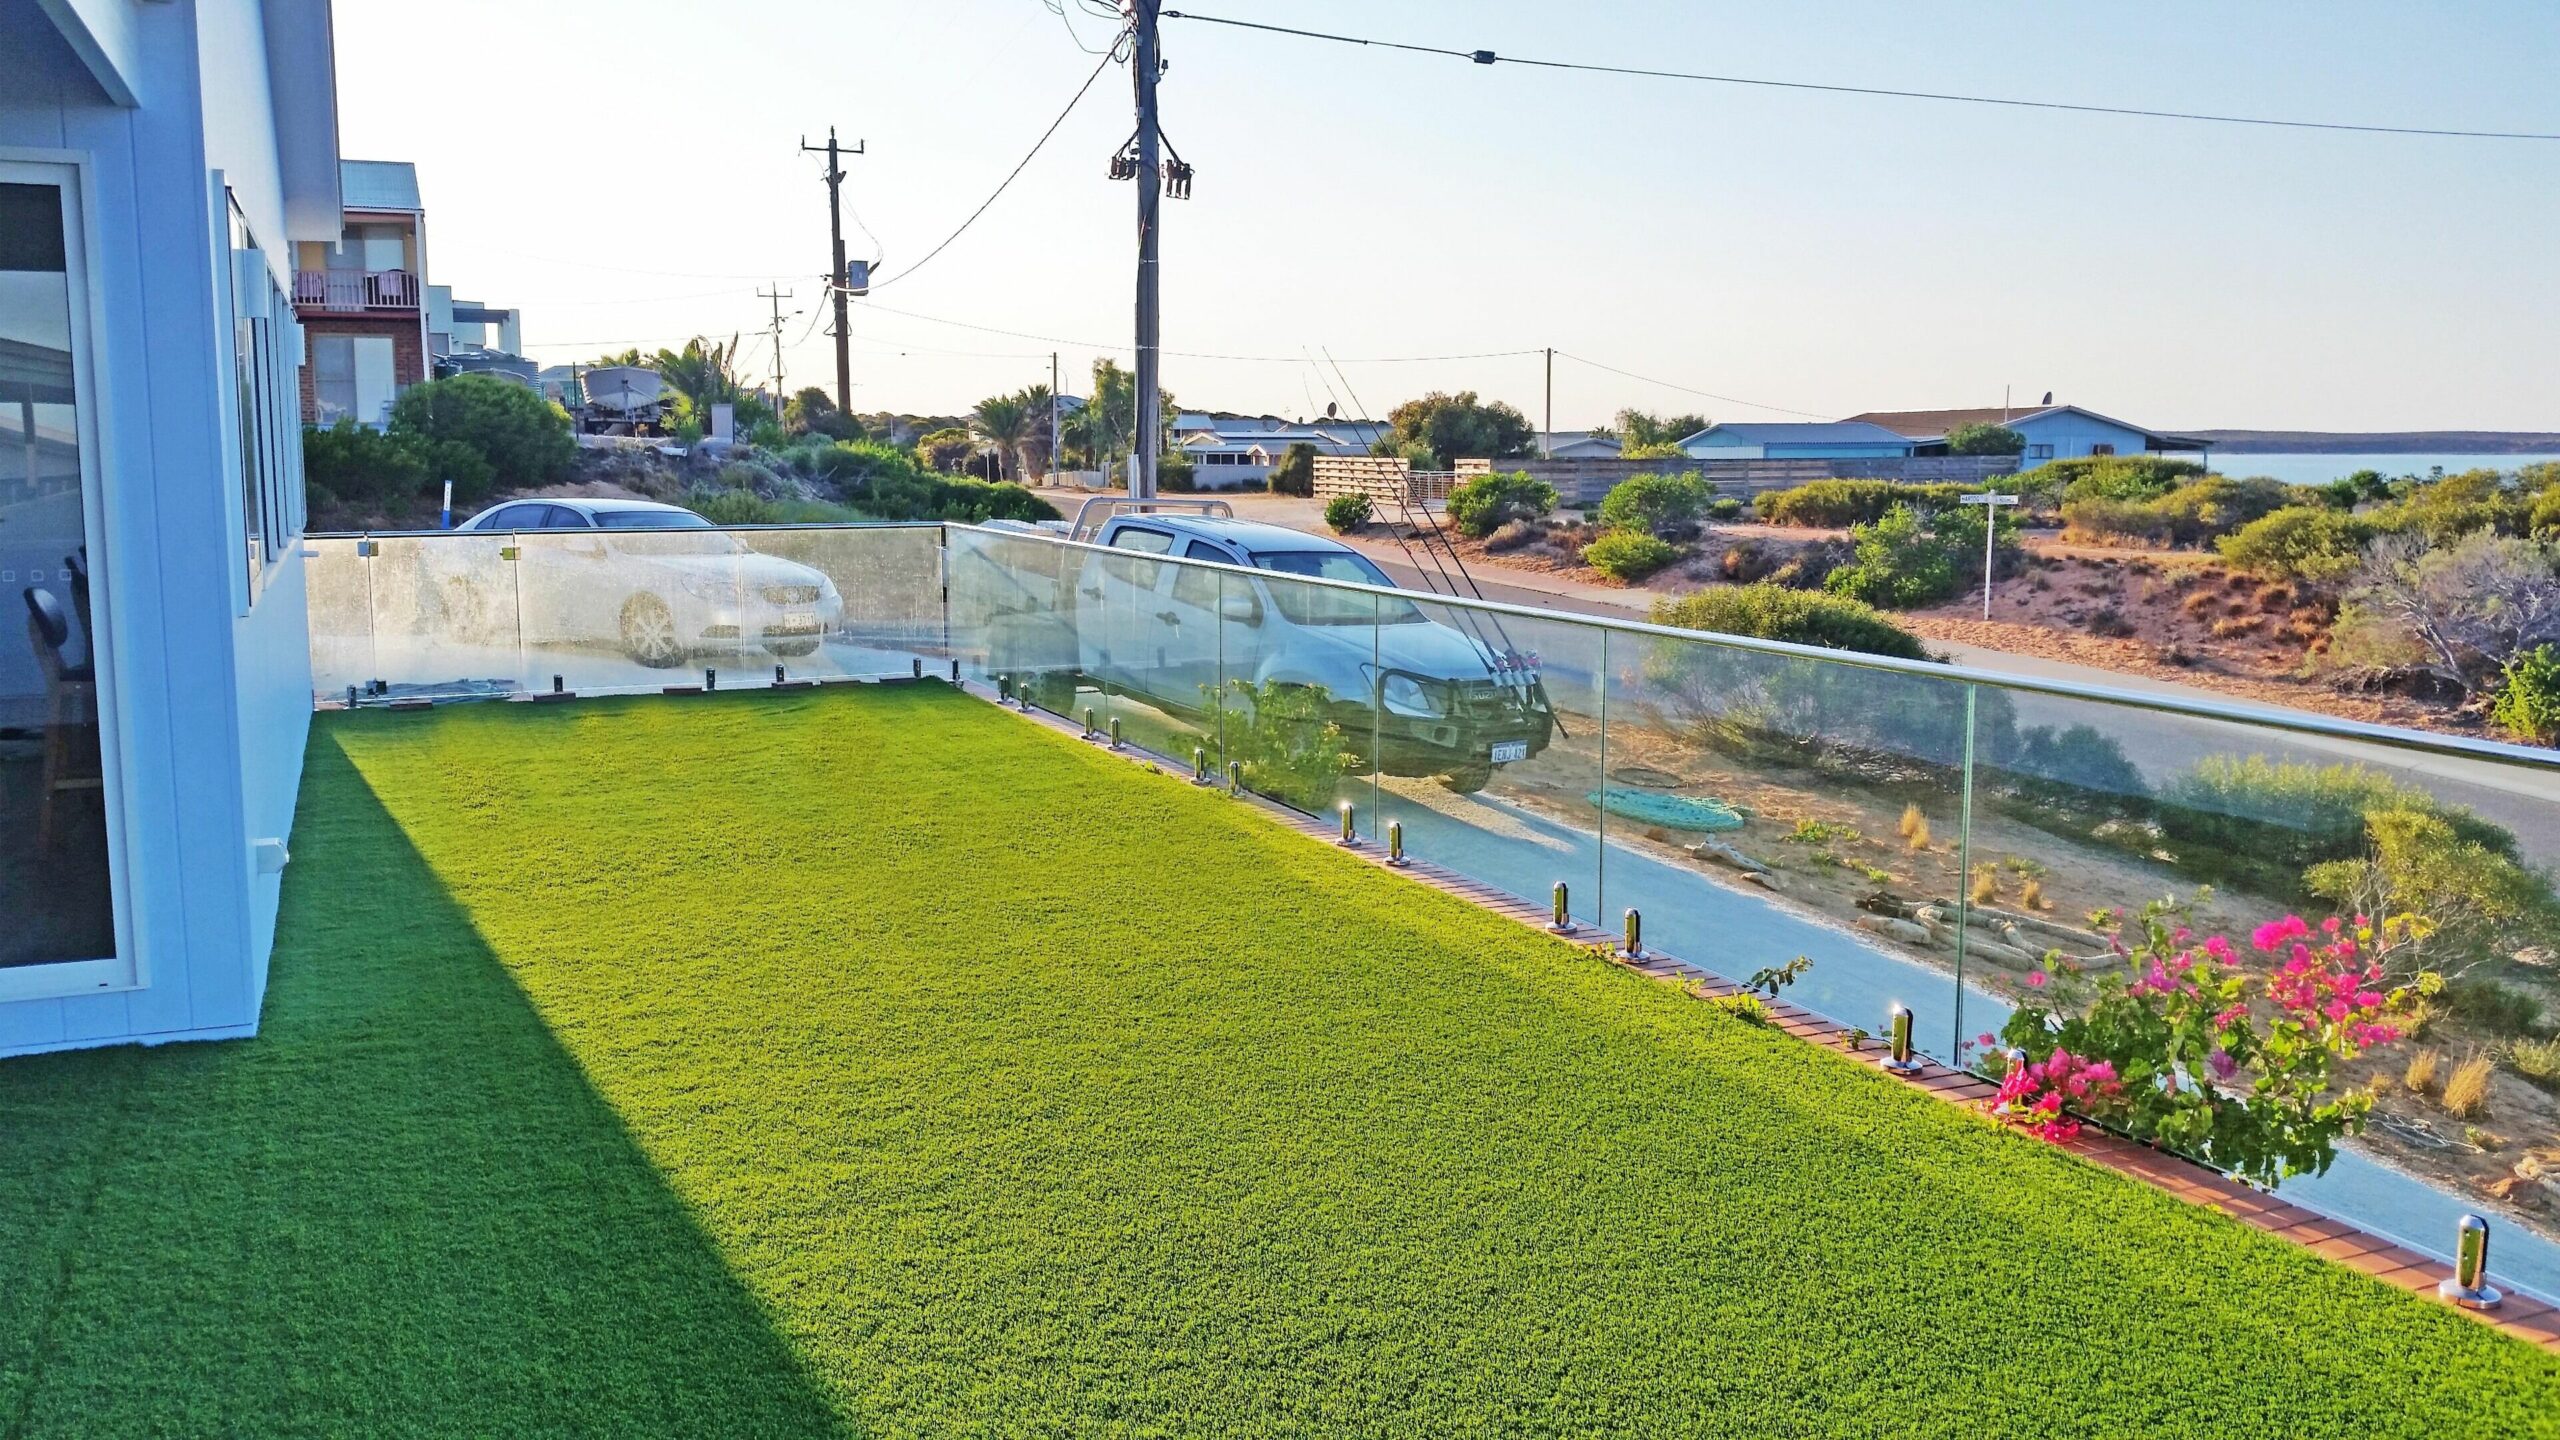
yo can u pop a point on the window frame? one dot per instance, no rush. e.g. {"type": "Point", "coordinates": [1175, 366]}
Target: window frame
{"type": "Point", "coordinates": [73, 174]}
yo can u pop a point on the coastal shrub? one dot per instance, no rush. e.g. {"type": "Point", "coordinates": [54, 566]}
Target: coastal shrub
{"type": "Point", "coordinates": [1668, 506]}
{"type": "Point", "coordinates": [2116, 477]}
{"type": "Point", "coordinates": [1628, 555]}
{"type": "Point", "coordinates": [2261, 824]}
{"type": "Point", "coordinates": [1773, 612]}
{"type": "Point", "coordinates": [1285, 738]}
{"type": "Point", "coordinates": [2306, 543]}
{"type": "Point", "coordinates": [2528, 701]}
{"type": "Point", "coordinates": [1725, 507]}
{"type": "Point", "coordinates": [517, 438]}
{"type": "Point", "coordinates": [1899, 563]}
{"type": "Point", "coordinates": [1834, 503]}
{"type": "Point", "coordinates": [2191, 514]}
{"type": "Point", "coordinates": [888, 483]}
{"type": "Point", "coordinates": [1486, 503]}
{"type": "Point", "coordinates": [1345, 513]}
{"type": "Point", "coordinates": [2477, 898]}
{"type": "Point", "coordinates": [362, 466]}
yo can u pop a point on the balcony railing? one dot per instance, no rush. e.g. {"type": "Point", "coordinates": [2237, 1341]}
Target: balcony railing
{"type": "Point", "coordinates": [355, 291]}
{"type": "Point", "coordinates": [1929, 835]}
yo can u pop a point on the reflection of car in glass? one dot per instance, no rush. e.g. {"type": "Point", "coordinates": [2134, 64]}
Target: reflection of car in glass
{"type": "Point", "coordinates": [1446, 699]}
{"type": "Point", "coordinates": [657, 580]}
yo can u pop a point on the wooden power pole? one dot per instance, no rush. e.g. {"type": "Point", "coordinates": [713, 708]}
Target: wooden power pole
{"type": "Point", "coordinates": [836, 279]}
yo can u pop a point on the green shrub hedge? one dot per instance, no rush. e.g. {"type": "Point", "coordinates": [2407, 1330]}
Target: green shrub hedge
{"type": "Point", "coordinates": [1629, 555]}
{"type": "Point", "coordinates": [1849, 502]}
{"type": "Point", "coordinates": [1665, 505]}
{"type": "Point", "coordinates": [2309, 543]}
{"type": "Point", "coordinates": [1802, 617]}
{"type": "Point", "coordinates": [1488, 502]}
{"type": "Point", "coordinates": [2191, 514]}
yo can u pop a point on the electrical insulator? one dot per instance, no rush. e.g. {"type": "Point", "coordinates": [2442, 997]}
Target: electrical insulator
{"type": "Point", "coordinates": [1177, 180]}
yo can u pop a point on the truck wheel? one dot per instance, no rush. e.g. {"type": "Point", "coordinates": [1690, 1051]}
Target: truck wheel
{"type": "Point", "coordinates": [1468, 779]}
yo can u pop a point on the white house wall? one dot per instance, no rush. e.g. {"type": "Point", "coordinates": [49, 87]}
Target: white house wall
{"type": "Point", "coordinates": [215, 694]}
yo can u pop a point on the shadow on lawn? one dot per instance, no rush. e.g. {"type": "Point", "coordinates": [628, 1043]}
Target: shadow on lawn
{"type": "Point", "coordinates": [401, 1209]}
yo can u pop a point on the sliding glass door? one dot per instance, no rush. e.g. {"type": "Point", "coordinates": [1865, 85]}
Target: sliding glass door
{"type": "Point", "coordinates": [56, 844]}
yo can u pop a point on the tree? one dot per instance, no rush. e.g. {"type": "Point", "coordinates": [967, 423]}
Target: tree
{"type": "Point", "coordinates": [705, 375]}
{"type": "Point", "coordinates": [626, 357]}
{"type": "Point", "coordinates": [1454, 427]}
{"type": "Point", "coordinates": [1040, 405]}
{"type": "Point", "coordinates": [1004, 422]}
{"type": "Point", "coordinates": [813, 412]}
{"type": "Point", "coordinates": [1637, 430]}
{"type": "Point", "coordinates": [2471, 607]}
{"type": "Point", "coordinates": [1102, 430]}
{"type": "Point", "coordinates": [1985, 440]}
{"type": "Point", "coordinates": [1296, 472]}
{"type": "Point", "coordinates": [946, 450]}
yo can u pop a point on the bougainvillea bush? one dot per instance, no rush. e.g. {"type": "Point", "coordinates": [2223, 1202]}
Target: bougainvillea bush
{"type": "Point", "coordinates": [2204, 1048]}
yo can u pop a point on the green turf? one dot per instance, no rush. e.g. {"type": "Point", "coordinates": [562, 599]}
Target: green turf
{"type": "Point", "coordinates": [870, 1062]}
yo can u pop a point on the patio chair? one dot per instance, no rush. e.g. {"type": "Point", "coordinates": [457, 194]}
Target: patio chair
{"type": "Point", "coordinates": [71, 703]}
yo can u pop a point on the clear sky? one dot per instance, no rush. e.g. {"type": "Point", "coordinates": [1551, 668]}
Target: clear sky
{"type": "Point", "coordinates": [627, 171]}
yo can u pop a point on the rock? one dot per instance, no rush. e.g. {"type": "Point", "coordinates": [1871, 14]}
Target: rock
{"type": "Point", "coordinates": [1765, 880]}
{"type": "Point", "coordinates": [1720, 853]}
{"type": "Point", "coordinates": [1910, 932]}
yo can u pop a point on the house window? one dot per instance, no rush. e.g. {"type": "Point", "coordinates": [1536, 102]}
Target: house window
{"type": "Point", "coordinates": [351, 378]}
{"type": "Point", "coordinates": [56, 687]}
{"type": "Point", "coordinates": [2102, 448]}
{"type": "Point", "coordinates": [2040, 452]}
{"type": "Point", "coordinates": [265, 357]}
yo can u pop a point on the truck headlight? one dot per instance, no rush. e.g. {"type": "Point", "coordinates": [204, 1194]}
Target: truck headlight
{"type": "Point", "coordinates": [1404, 695]}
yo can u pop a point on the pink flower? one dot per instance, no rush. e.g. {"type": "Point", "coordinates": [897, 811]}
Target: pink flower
{"type": "Point", "coordinates": [2368, 999]}
{"type": "Point", "coordinates": [2232, 1015]}
{"type": "Point", "coordinates": [2276, 932]}
{"type": "Point", "coordinates": [2220, 950]}
{"type": "Point", "coordinates": [2035, 979]}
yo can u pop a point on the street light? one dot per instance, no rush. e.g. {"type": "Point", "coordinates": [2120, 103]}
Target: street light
{"type": "Point", "coordinates": [1990, 501]}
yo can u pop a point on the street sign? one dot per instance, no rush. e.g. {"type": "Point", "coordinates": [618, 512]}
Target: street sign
{"type": "Point", "coordinates": [1991, 500]}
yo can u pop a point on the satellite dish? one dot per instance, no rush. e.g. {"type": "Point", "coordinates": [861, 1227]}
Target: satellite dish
{"type": "Point", "coordinates": [1329, 408]}
{"type": "Point", "coordinates": [2048, 397]}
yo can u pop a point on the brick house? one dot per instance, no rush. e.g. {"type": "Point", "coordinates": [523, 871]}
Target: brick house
{"type": "Point", "coordinates": [362, 300]}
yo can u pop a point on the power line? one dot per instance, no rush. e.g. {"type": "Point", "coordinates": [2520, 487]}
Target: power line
{"type": "Point", "coordinates": [1488, 57]}
{"type": "Point", "coordinates": [1689, 389]}
{"type": "Point", "coordinates": [1010, 176]}
{"type": "Point", "coordinates": [1059, 9]}
{"type": "Point", "coordinates": [1075, 343]}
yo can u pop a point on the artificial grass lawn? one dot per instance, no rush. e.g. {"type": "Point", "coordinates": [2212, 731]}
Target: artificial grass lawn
{"type": "Point", "coordinates": [867, 1061]}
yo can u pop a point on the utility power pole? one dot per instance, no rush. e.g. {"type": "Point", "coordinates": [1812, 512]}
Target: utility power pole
{"type": "Point", "coordinates": [777, 295]}
{"type": "Point", "coordinates": [1052, 476]}
{"type": "Point", "coordinates": [1146, 61]}
{"type": "Point", "coordinates": [836, 278]}
{"type": "Point", "coordinates": [1547, 442]}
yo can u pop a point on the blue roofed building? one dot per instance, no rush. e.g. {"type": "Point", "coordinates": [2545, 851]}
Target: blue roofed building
{"type": "Point", "coordinates": [2052, 432]}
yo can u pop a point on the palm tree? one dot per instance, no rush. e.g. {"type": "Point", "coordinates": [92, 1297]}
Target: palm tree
{"type": "Point", "coordinates": [702, 374]}
{"type": "Point", "coordinates": [1005, 422]}
{"type": "Point", "coordinates": [1039, 407]}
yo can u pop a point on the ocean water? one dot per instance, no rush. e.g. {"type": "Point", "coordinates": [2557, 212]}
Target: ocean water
{"type": "Point", "coordinates": [2320, 469]}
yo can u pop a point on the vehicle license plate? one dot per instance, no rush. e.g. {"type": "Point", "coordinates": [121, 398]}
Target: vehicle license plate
{"type": "Point", "coordinates": [1506, 751]}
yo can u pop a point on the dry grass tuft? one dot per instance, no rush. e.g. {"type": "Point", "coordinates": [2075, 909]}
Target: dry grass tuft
{"type": "Point", "coordinates": [2466, 1091]}
{"type": "Point", "coordinates": [1986, 884]}
{"type": "Point", "coordinates": [2420, 1076]}
{"type": "Point", "coordinates": [1915, 828]}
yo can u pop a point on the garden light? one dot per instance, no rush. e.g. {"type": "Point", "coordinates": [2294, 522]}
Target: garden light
{"type": "Point", "coordinates": [1563, 923]}
{"type": "Point", "coordinates": [2017, 1059]}
{"type": "Point", "coordinates": [1350, 836]}
{"type": "Point", "coordinates": [1115, 732]}
{"type": "Point", "coordinates": [1199, 765]}
{"type": "Point", "coordinates": [1395, 843]}
{"type": "Point", "coordinates": [2470, 1287]}
{"type": "Point", "coordinates": [1635, 933]}
{"type": "Point", "coordinates": [1235, 777]}
{"type": "Point", "coordinates": [1898, 1027]}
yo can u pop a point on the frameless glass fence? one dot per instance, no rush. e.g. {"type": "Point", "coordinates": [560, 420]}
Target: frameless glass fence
{"type": "Point", "coordinates": [1926, 837]}
{"type": "Point", "coordinates": [455, 615]}
{"type": "Point", "coordinates": [1970, 848]}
